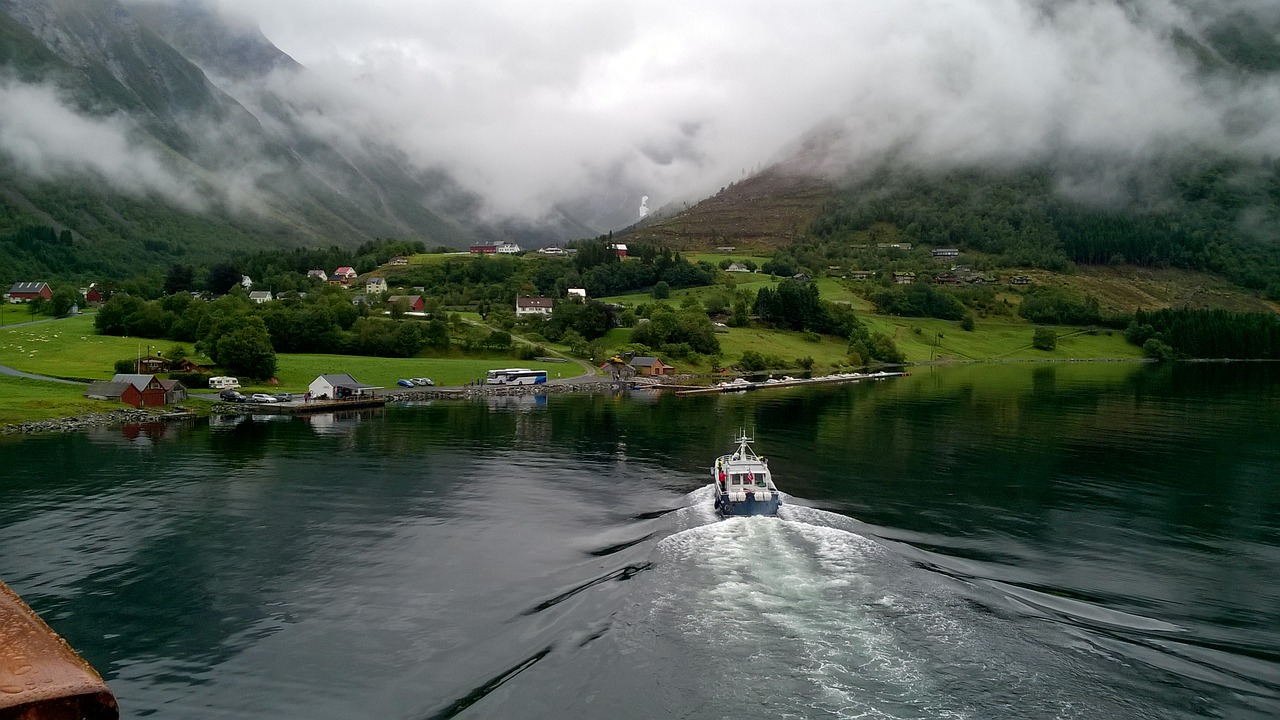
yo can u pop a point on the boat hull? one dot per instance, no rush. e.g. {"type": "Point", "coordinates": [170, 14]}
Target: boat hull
{"type": "Point", "coordinates": [749, 506]}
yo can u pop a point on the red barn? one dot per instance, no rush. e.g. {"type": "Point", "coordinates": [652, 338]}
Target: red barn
{"type": "Point", "coordinates": [484, 248]}
{"type": "Point", "coordinates": [28, 291]}
{"type": "Point", "coordinates": [415, 302]}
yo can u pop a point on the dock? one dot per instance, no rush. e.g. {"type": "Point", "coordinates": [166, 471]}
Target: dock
{"type": "Point", "coordinates": [301, 407]}
{"type": "Point", "coordinates": [743, 385]}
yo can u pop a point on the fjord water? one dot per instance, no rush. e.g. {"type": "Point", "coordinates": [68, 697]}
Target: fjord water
{"type": "Point", "coordinates": [1020, 541]}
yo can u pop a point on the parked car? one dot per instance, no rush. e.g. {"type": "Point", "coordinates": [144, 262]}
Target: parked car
{"type": "Point", "coordinates": [261, 398]}
{"type": "Point", "coordinates": [423, 381]}
{"type": "Point", "coordinates": [283, 397]}
{"type": "Point", "coordinates": [231, 396]}
{"type": "Point", "coordinates": [404, 383]}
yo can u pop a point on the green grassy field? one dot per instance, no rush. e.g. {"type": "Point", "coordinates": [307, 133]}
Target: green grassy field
{"type": "Point", "coordinates": [994, 340]}
{"type": "Point", "coordinates": [68, 348]}
{"type": "Point", "coordinates": [23, 400]}
{"type": "Point", "coordinates": [717, 257]}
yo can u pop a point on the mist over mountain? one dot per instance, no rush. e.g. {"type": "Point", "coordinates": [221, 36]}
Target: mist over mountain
{"type": "Point", "coordinates": [316, 122]}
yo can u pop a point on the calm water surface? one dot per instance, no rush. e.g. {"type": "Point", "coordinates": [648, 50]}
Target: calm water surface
{"type": "Point", "coordinates": [1023, 541]}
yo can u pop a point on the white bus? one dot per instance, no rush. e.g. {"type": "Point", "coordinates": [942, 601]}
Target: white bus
{"type": "Point", "coordinates": [516, 376]}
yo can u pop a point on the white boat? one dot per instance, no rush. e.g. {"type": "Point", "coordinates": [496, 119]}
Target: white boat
{"type": "Point", "coordinates": [743, 483]}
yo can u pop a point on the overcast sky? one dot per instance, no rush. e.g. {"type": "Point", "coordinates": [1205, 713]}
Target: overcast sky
{"type": "Point", "coordinates": [534, 103]}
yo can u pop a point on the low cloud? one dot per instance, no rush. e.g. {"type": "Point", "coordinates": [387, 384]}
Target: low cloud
{"type": "Point", "coordinates": [50, 140]}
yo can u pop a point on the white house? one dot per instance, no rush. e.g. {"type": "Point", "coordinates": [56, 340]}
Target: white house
{"type": "Point", "coordinates": [261, 296]}
{"type": "Point", "coordinates": [508, 248]}
{"type": "Point", "coordinates": [338, 387]}
{"type": "Point", "coordinates": [534, 306]}
{"type": "Point", "coordinates": [580, 293]}
{"type": "Point", "coordinates": [737, 267]}
{"type": "Point", "coordinates": [552, 250]}
{"type": "Point", "coordinates": [375, 285]}
{"type": "Point", "coordinates": [246, 282]}
{"type": "Point", "coordinates": [322, 275]}
{"type": "Point", "coordinates": [347, 272]}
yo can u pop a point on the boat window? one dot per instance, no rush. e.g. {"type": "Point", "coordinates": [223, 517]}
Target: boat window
{"type": "Point", "coordinates": [737, 478]}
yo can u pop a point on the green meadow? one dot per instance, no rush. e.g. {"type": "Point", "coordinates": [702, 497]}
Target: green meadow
{"type": "Point", "coordinates": [23, 400]}
{"type": "Point", "coordinates": [69, 348]}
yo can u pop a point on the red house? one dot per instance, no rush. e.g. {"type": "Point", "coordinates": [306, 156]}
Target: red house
{"type": "Point", "coordinates": [415, 302]}
{"type": "Point", "coordinates": [28, 291]}
{"type": "Point", "coordinates": [347, 272]}
{"type": "Point", "coordinates": [135, 390]}
{"type": "Point", "coordinates": [93, 296]}
{"type": "Point", "coordinates": [619, 248]}
{"type": "Point", "coordinates": [484, 248]}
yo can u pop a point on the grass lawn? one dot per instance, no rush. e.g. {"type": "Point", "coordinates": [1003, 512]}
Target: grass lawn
{"type": "Point", "coordinates": [68, 348]}
{"type": "Point", "coordinates": [994, 340]}
{"type": "Point", "coordinates": [717, 257]}
{"type": "Point", "coordinates": [23, 400]}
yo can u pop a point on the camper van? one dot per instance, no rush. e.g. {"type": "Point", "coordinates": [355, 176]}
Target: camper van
{"type": "Point", "coordinates": [223, 383]}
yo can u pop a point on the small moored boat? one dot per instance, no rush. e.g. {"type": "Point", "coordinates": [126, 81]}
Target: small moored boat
{"type": "Point", "coordinates": [743, 483]}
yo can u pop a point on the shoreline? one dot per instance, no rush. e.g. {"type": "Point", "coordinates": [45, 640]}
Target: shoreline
{"type": "Point", "coordinates": [596, 385]}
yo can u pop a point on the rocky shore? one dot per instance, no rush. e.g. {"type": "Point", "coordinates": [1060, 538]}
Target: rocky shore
{"type": "Point", "coordinates": [102, 419]}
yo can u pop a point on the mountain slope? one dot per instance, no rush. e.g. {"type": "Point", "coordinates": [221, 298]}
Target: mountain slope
{"type": "Point", "coordinates": [196, 168]}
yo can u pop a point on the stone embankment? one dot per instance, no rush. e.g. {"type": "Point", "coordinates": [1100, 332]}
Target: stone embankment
{"type": "Point", "coordinates": [480, 391]}
{"type": "Point", "coordinates": [103, 419]}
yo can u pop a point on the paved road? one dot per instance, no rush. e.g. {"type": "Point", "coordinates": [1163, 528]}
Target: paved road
{"type": "Point", "coordinates": [6, 370]}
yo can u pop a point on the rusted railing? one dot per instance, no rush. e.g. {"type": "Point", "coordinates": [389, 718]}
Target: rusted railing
{"type": "Point", "coordinates": [41, 677]}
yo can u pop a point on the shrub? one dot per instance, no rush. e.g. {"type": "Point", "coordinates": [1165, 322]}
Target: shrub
{"type": "Point", "coordinates": [966, 323]}
{"type": "Point", "coordinates": [1045, 339]}
{"type": "Point", "coordinates": [124, 366]}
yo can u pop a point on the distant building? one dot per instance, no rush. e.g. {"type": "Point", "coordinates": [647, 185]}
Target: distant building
{"type": "Point", "coordinates": [375, 285]}
{"type": "Point", "coordinates": [484, 248]}
{"type": "Point", "coordinates": [508, 248]}
{"type": "Point", "coordinates": [946, 252]}
{"type": "Point", "coordinates": [415, 302]}
{"type": "Point", "coordinates": [619, 248]}
{"type": "Point", "coordinates": [737, 267]}
{"type": "Point", "coordinates": [261, 296]}
{"type": "Point", "coordinates": [651, 366]}
{"type": "Point", "coordinates": [580, 293]}
{"type": "Point", "coordinates": [347, 272]}
{"type": "Point", "coordinates": [93, 295]}
{"type": "Point", "coordinates": [1020, 280]}
{"type": "Point", "coordinates": [28, 291]}
{"type": "Point", "coordinates": [318, 274]}
{"type": "Point", "coordinates": [534, 305]}
{"type": "Point", "coordinates": [552, 250]}
{"type": "Point", "coordinates": [246, 282]}
{"type": "Point", "coordinates": [726, 248]}
{"type": "Point", "coordinates": [904, 278]}
{"type": "Point", "coordinates": [138, 390]}
{"type": "Point", "coordinates": [893, 246]}
{"type": "Point", "coordinates": [862, 275]}
{"type": "Point", "coordinates": [338, 387]}
{"type": "Point", "coordinates": [398, 261]}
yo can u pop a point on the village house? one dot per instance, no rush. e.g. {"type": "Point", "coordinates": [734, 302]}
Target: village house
{"type": "Point", "coordinates": [946, 252]}
{"type": "Point", "coordinates": [484, 248]}
{"type": "Point", "coordinates": [1020, 280]}
{"type": "Point", "coordinates": [619, 248]}
{"type": "Point", "coordinates": [338, 387]}
{"type": "Point", "coordinates": [138, 390]}
{"type": "Point", "coordinates": [93, 295]}
{"type": "Point", "coordinates": [415, 302]}
{"type": "Point", "coordinates": [337, 279]}
{"type": "Point", "coordinates": [726, 248]}
{"type": "Point", "coordinates": [375, 285]}
{"type": "Point", "coordinates": [893, 246]}
{"type": "Point", "coordinates": [534, 305]}
{"type": "Point", "coordinates": [150, 364]}
{"type": "Point", "coordinates": [947, 279]}
{"type": "Point", "coordinates": [398, 261]}
{"type": "Point", "coordinates": [904, 278]}
{"type": "Point", "coordinates": [577, 293]}
{"type": "Point", "coordinates": [508, 248]}
{"type": "Point", "coordinates": [862, 275]}
{"type": "Point", "coordinates": [261, 296]}
{"type": "Point", "coordinates": [347, 272]}
{"type": "Point", "coordinates": [174, 391]}
{"type": "Point", "coordinates": [187, 365]}
{"type": "Point", "coordinates": [647, 366]}
{"type": "Point", "coordinates": [318, 274]}
{"type": "Point", "coordinates": [737, 267]}
{"type": "Point", "coordinates": [552, 250]}
{"type": "Point", "coordinates": [28, 291]}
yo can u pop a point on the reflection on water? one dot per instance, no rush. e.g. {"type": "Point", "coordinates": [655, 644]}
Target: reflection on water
{"type": "Point", "coordinates": [1070, 540]}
